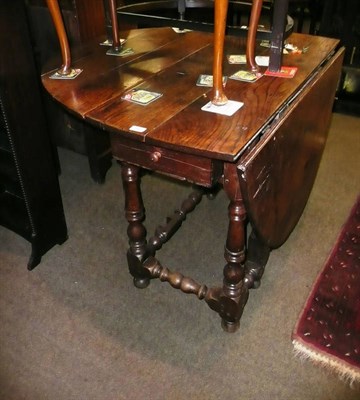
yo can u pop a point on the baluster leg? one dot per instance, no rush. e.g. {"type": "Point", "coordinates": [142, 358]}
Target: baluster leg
{"type": "Point", "coordinates": [256, 259]}
{"type": "Point", "coordinates": [235, 292]}
{"type": "Point", "coordinates": [135, 215]}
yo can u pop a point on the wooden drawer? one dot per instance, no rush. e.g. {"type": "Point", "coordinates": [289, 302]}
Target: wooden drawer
{"type": "Point", "coordinates": [199, 170]}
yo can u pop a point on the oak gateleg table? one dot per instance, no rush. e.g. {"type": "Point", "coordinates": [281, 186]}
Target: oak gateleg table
{"type": "Point", "coordinates": [265, 156]}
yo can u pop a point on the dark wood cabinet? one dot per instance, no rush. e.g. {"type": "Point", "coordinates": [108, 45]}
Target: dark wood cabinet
{"type": "Point", "coordinates": [30, 199]}
{"type": "Point", "coordinates": [84, 20]}
{"type": "Point", "coordinates": [341, 19]}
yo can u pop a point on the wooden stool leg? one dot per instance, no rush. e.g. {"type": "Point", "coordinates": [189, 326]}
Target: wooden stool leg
{"type": "Point", "coordinates": [135, 215]}
{"type": "Point", "coordinates": [235, 291]}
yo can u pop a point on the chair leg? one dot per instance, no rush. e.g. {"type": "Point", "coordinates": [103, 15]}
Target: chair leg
{"type": "Point", "coordinates": [115, 29]}
{"type": "Point", "coordinates": [251, 37]}
{"type": "Point", "coordinates": [219, 98]}
{"type": "Point", "coordinates": [53, 6]}
{"type": "Point", "coordinates": [221, 7]}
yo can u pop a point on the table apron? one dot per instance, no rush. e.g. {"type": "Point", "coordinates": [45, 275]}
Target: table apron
{"type": "Point", "coordinates": [196, 169]}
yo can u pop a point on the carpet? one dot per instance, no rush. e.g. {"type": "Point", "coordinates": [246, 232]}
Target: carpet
{"type": "Point", "coordinates": [328, 330]}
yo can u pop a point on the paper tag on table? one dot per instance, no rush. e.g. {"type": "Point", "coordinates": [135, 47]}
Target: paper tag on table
{"type": "Point", "coordinates": [109, 43]}
{"type": "Point", "coordinates": [207, 80]}
{"type": "Point", "coordinates": [246, 76]}
{"type": "Point", "coordinates": [140, 96]}
{"type": "Point", "coordinates": [228, 109]}
{"type": "Point", "coordinates": [179, 30]}
{"type": "Point", "coordinates": [236, 58]}
{"type": "Point", "coordinates": [138, 129]}
{"type": "Point", "coordinates": [285, 72]}
{"type": "Point", "coordinates": [262, 61]}
{"type": "Point", "coordinates": [74, 72]}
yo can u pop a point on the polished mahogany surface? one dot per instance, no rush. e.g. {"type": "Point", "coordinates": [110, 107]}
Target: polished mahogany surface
{"type": "Point", "coordinates": [170, 63]}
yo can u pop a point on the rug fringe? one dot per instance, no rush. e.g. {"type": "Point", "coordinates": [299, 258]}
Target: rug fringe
{"type": "Point", "coordinates": [346, 373]}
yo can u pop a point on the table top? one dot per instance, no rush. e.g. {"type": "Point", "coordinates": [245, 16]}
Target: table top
{"type": "Point", "coordinates": [170, 63]}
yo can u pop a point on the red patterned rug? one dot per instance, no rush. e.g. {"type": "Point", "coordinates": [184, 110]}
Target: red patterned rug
{"type": "Point", "coordinates": [328, 330]}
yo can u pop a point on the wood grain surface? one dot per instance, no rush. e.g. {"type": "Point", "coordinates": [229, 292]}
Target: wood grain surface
{"type": "Point", "coordinates": [170, 63]}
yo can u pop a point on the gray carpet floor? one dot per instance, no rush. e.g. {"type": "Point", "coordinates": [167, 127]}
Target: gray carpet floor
{"type": "Point", "coordinates": [76, 328]}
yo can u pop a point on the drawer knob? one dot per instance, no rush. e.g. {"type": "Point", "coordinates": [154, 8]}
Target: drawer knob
{"type": "Point", "coordinates": [155, 156]}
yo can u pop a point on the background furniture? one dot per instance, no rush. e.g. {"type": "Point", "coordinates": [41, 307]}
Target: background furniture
{"type": "Point", "coordinates": [341, 19]}
{"type": "Point", "coordinates": [30, 199]}
{"type": "Point", "coordinates": [83, 19]}
{"type": "Point", "coordinates": [186, 14]}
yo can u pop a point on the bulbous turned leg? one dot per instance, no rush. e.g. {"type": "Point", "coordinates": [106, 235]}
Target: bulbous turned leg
{"type": "Point", "coordinates": [141, 283]}
{"type": "Point", "coordinates": [256, 259]}
{"type": "Point", "coordinates": [230, 327]}
{"type": "Point", "coordinates": [135, 215]}
{"type": "Point", "coordinates": [235, 292]}
{"type": "Point", "coordinates": [219, 98]}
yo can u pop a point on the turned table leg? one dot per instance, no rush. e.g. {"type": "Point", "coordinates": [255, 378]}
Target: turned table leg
{"type": "Point", "coordinates": [235, 292]}
{"type": "Point", "coordinates": [135, 215]}
{"type": "Point", "coordinates": [256, 259]}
